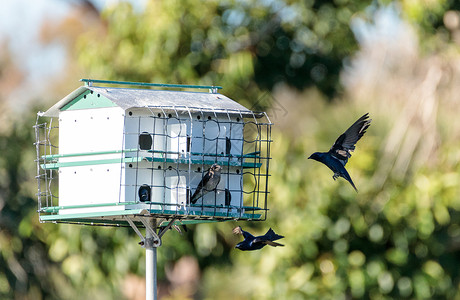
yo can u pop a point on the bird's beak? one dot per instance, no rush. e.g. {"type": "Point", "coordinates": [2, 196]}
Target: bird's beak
{"type": "Point", "coordinates": [309, 157]}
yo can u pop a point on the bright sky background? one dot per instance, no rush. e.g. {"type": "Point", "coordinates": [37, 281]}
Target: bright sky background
{"type": "Point", "coordinates": [20, 23]}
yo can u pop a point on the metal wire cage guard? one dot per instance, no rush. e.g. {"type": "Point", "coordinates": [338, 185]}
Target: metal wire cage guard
{"type": "Point", "coordinates": [98, 167]}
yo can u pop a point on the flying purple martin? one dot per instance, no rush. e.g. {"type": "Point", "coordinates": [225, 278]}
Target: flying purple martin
{"type": "Point", "coordinates": [208, 183]}
{"type": "Point", "coordinates": [251, 242]}
{"type": "Point", "coordinates": [337, 157]}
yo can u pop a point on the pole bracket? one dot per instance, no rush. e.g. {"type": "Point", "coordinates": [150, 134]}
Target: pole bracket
{"type": "Point", "coordinates": [167, 227]}
{"type": "Point", "coordinates": [153, 241]}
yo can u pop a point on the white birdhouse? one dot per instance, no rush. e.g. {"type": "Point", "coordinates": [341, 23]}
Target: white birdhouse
{"type": "Point", "coordinates": [119, 152]}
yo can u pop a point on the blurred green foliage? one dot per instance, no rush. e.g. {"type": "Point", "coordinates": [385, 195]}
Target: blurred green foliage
{"type": "Point", "coordinates": [397, 238]}
{"type": "Point", "coordinates": [242, 45]}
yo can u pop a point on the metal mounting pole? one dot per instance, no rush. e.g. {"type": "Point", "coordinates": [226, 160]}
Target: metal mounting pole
{"type": "Point", "coordinates": [151, 261]}
{"type": "Point", "coordinates": [151, 242]}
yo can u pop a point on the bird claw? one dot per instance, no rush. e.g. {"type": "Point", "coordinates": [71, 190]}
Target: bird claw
{"type": "Point", "coordinates": [335, 176]}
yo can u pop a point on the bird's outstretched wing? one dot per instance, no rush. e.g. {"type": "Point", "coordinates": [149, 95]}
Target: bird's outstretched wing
{"type": "Point", "coordinates": [346, 142]}
{"type": "Point", "coordinates": [273, 244]}
{"type": "Point", "coordinates": [266, 241]}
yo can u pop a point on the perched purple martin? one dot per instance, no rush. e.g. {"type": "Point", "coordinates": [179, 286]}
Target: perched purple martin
{"type": "Point", "coordinates": [144, 193]}
{"type": "Point", "coordinates": [337, 157]}
{"type": "Point", "coordinates": [251, 242]}
{"type": "Point", "coordinates": [208, 183]}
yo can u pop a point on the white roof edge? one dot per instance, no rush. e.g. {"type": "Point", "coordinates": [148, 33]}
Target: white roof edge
{"type": "Point", "coordinates": [53, 111]}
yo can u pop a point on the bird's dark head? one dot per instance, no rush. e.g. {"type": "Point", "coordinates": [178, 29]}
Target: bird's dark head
{"type": "Point", "coordinates": [216, 168]}
{"type": "Point", "coordinates": [315, 156]}
{"type": "Point", "coordinates": [144, 193]}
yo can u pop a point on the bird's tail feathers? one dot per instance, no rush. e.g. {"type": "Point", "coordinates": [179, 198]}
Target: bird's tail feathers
{"type": "Point", "coordinates": [196, 195]}
{"type": "Point", "coordinates": [192, 196]}
{"type": "Point", "coordinates": [272, 235]}
{"type": "Point", "coordinates": [348, 178]}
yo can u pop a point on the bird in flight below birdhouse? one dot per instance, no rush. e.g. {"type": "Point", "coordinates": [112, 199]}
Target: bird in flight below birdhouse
{"type": "Point", "coordinates": [251, 242]}
{"type": "Point", "coordinates": [208, 183]}
{"type": "Point", "coordinates": [337, 157]}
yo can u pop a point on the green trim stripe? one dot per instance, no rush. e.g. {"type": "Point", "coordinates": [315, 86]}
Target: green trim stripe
{"type": "Point", "coordinates": [57, 165]}
{"type": "Point", "coordinates": [56, 156]}
{"type": "Point", "coordinates": [120, 222]}
{"type": "Point", "coordinates": [121, 213]}
{"type": "Point", "coordinates": [88, 100]}
{"type": "Point", "coordinates": [55, 209]}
